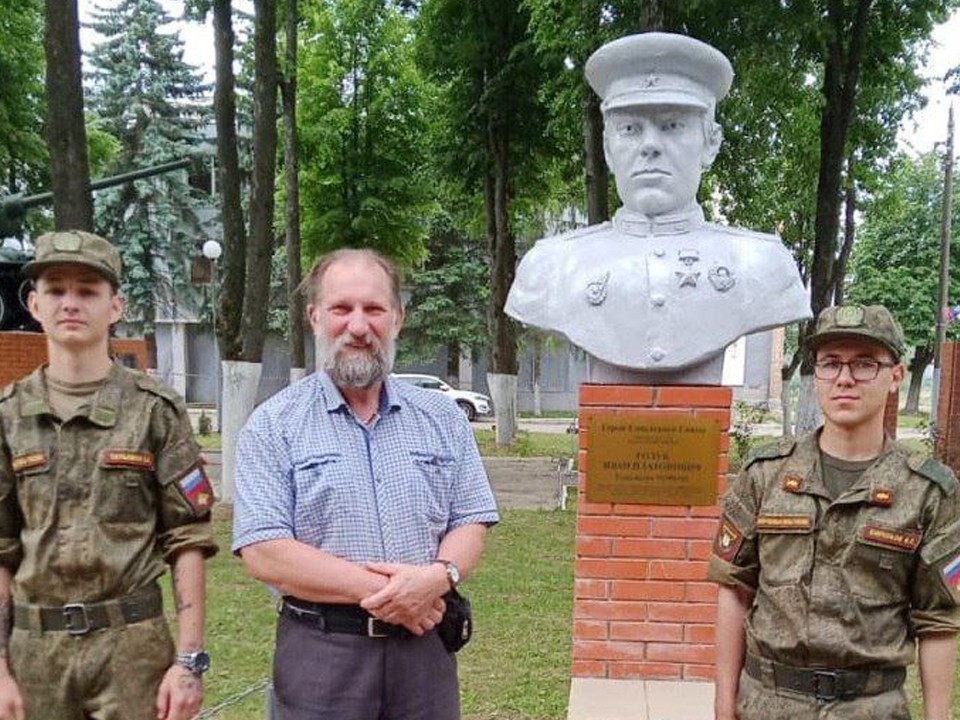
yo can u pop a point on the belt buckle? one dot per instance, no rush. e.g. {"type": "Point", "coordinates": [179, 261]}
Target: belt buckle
{"type": "Point", "coordinates": [372, 629]}
{"type": "Point", "coordinates": [73, 611]}
{"type": "Point", "coordinates": [826, 685]}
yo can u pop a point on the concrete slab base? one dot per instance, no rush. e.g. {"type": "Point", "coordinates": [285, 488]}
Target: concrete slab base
{"type": "Point", "coordinates": [603, 699]}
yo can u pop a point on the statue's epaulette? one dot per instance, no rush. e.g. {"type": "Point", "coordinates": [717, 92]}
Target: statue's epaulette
{"type": "Point", "coordinates": [156, 387]}
{"type": "Point", "coordinates": [771, 451]}
{"type": "Point", "coordinates": [744, 233]}
{"type": "Point", "coordinates": [580, 232]}
{"type": "Point", "coordinates": [933, 470]}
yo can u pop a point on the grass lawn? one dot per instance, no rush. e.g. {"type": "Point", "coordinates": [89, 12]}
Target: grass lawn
{"type": "Point", "coordinates": [516, 667]}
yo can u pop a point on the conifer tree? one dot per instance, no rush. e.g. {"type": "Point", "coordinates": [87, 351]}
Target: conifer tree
{"type": "Point", "coordinates": [155, 104]}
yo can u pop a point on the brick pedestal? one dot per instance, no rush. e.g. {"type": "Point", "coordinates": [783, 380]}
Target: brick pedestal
{"type": "Point", "coordinates": [948, 407]}
{"type": "Point", "coordinates": [643, 609]}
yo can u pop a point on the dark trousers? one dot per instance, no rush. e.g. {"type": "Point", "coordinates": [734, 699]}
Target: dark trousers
{"type": "Point", "coordinates": [336, 676]}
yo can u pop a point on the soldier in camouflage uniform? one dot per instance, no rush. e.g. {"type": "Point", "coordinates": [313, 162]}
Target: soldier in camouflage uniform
{"type": "Point", "coordinates": [838, 554]}
{"type": "Point", "coordinates": [101, 483]}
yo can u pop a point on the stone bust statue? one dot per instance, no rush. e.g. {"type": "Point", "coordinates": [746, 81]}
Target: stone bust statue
{"type": "Point", "coordinates": [657, 295]}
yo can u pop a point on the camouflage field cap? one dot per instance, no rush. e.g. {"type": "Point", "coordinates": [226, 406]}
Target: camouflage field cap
{"type": "Point", "coordinates": [75, 247]}
{"type": "Point", "coordinates": [864, 322]}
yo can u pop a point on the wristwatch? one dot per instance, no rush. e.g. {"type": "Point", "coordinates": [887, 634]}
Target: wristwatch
{"type": "Point", "coordinates": [453, 572]}
{"type": "Point", "coordinates": [196, 662]}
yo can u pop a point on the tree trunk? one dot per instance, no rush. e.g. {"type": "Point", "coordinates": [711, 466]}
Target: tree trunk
{"type": "Point", "coordinates": [840, 81]}
{"type": "Point", "coordinates": [537, 348]}
{"type": "Point", "coordinates": [291, 165]}
{"type": "Point", "coordinates": [918, 364]}
{"type": "Point", "coordinates": [66, 128]}
{"type": "Point", "coordinates": [808, 410]}
{"type": "Point", "coordinates": [261, 242]}
{"type": "Point", "coordinates": [453, 364]}
{"type": "Point", "coordinates": [240, 383]}
{"type": "Point", "coordinates": [849, 235]}
{"type": "Point", "coordinates": [228, 173]}
{"type": "Point", "coordinates": [598, 186]}
{"type": "Point", "coordinates": [503, 252]}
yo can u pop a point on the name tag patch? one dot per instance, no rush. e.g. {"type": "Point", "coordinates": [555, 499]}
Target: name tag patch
{"type": "Point", "coordinates": [784, 523]}
{"type": "Point", "coordinates": [197, 489]}
{"type": "Point", "coordinates": [727, 543]}
{"type": "Point", "coordinates": [898, 539]}
{"type": "Point", "coordinates": [29, 461]}
{"type": "Point", "coordinates": [127, 459]}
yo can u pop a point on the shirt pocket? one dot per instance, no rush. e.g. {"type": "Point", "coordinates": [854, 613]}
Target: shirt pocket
{"type": "Point", "coordinates": [124, 490]}
{"type": "Point", "coordinates": [434, 475]}
{"type": "Point", "coordinates": [881, 562]}
{"type": "Point", "coordinates": [322, 492]}
{"type": "Point", "coordinates": [786, 544]}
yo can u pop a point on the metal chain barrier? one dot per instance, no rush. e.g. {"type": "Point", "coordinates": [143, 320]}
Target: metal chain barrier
{"type": "Point", "coordinates": [262, 686]}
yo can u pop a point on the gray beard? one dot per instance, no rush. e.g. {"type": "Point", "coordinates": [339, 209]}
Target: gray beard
{"type": "Point", "coordinates": [357, 371]}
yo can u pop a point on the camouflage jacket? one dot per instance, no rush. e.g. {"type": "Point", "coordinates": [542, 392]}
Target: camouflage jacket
{"type": "Point", "coordinates": [841, 583]}
{"type": "Point", "coordinates": [91, 507]}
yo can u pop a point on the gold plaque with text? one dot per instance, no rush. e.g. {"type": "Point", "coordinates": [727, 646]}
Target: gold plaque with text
{"type": "Point", "coordinates": [652, 460]}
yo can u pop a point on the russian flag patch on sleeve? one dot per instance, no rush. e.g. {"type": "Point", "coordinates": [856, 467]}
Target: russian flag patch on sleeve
{"type": "Point", "coordinates": [951, 572]}
{"type": "Point", "coordinates": [197, 489]}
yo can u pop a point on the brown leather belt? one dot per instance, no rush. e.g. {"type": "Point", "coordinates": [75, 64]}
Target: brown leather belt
{"type": "Point", "coordinates": [824, 684]}
{"type": "Point", "coordinates": [82, 618]}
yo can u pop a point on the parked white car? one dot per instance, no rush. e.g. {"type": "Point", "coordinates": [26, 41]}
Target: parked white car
{"type": "Point", "coordinates": [473, 404]}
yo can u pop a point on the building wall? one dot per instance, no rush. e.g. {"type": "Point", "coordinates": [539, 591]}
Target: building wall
{"type": "Point", "coordinates": [22, 352]}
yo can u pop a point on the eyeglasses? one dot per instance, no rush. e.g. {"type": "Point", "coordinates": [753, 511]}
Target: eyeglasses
{"type": "Point", "coordinates": [861, 369]}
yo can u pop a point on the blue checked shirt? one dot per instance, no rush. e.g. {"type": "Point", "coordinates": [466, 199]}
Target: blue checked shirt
{"type": "Point", "coordinates": [307, 469]}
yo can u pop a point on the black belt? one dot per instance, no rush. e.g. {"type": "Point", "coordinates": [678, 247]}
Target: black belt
{"type": "Point", "coordinates": [824, 684]}
{"type": "Point", "coordinates": [81, 618]}
{"type": "Point", "coordinates": [334, 618]}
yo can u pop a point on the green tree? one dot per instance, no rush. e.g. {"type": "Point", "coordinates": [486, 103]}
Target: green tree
{"type": "Point", "coordinates": [148, 98]}
{"type": "Point", "coordinates": [23, 155]}
{"type": "Point", "coordinates": [448, 297]}
{"type": "Point", "coordinates": [364, 125]}
{"type": "Point", "coordinates": [483, 56]}
{"type": "Point", "coordinates": [896, 259]}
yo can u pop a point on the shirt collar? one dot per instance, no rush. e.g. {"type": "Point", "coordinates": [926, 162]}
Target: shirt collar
{"type": "Point", "coordinates": [389, 396]}
{"type": "Point", "coordinates": [631, 223]}
{"type": "Point", "coordinates": [101, 411]}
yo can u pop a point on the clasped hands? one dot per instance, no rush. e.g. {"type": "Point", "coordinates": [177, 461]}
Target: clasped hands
{"type": "Point", "coordinates": [412, 596]}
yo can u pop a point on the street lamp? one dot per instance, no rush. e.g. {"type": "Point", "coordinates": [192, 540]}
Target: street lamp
{"type": "Point", "coordinates": [212, 250]}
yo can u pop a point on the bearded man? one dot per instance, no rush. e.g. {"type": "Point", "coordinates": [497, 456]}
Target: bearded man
{"type": "Point", "coordinates": [364, 501]}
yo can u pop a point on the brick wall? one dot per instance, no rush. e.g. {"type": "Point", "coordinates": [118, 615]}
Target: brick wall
{"type": "Point", "coordinates": [948, 407]}
{"type": "Point", "coordinates": [643, 608]}
{"type": "Point", "coordinates": [21, 352]}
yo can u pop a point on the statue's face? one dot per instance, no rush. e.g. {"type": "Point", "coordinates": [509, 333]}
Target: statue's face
{"type": "Point", "coordinates": [657, 154]}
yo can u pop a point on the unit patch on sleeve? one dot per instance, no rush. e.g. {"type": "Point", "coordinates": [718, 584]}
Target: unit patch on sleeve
{"type": "Point", "coordinates": [197, 489]}
{"type": "Point", "coordinates": [127, 459]}
{"type": "Point", "coordinates": [727, 543]}
{"type": "Point", "coordinates": [896, 538]}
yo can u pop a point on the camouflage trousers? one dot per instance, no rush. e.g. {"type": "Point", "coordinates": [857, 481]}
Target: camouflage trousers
{"type": "Point", "coordinates": [110, 674]}
{"type": "Point", "coordinates": [759, 701]}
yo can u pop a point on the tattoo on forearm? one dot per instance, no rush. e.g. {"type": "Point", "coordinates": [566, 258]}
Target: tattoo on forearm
{"type": "Point", "coordinates": [6, 618]}
{"type": "Point", "coordinates": [178, 600]}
